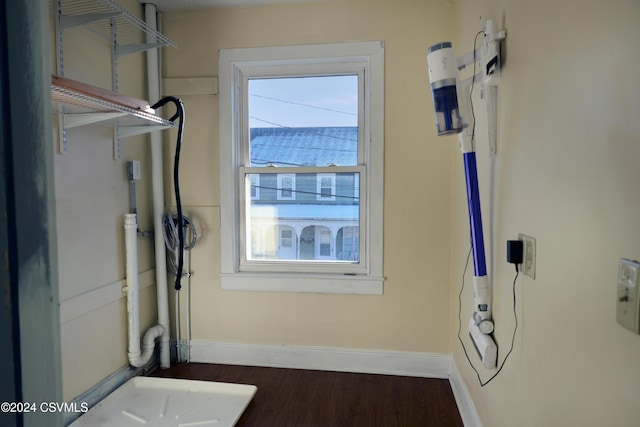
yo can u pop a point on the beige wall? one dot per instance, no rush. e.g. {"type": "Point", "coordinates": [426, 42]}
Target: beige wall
{"type": "Point", "coordinates": [413, 314]}
{"type": "Point", "coordinates": [92, 194]}
{"type": "Point", "coordinates": [567, 174]}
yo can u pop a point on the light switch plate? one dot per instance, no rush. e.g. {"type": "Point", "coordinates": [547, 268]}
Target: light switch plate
{"type": "Point", "coordinates": [627, 303]}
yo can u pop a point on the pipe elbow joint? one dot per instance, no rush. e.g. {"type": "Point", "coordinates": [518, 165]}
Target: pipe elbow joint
{"type": "Point", "coordinates": [149, 340]}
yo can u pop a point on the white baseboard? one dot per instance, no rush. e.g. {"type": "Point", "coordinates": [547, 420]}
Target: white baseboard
{"type": "Point", "coordinates": [466, 407]}
{"type": "Point", "coordinates": [323, 358]}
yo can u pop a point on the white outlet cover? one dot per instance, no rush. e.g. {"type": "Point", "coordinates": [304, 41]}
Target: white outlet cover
{"type": "Point", "coordinates": [528, 266]}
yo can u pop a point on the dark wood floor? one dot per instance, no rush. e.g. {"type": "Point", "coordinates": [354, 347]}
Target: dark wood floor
{"type": "Point", "coordinates": [303, 398]}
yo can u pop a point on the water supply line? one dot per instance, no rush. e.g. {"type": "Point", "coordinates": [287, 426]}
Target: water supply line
{"type": "Point", "coordinates": [171, 232]}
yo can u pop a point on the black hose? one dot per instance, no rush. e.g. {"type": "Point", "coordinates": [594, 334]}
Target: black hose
{"type": "Point", "coordinates": [176, 183]}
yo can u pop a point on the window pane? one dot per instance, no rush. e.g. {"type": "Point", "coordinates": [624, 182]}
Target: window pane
{"type": "Point", "coordinates": [348, 243]}
{"type": "Point", "coordinates": [286, 185]}
{"type": "Point", "coordinates": [303, 121]}
{"type": "Point", "coordinates": [326, 186]}
{"type": "Point", "coordinates": [304, 228]}
{"type": "Point", "coordinates": [255, 186]}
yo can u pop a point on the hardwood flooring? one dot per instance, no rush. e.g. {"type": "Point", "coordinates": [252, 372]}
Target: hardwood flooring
{"type": "Point", "coordinates": [305, 398]}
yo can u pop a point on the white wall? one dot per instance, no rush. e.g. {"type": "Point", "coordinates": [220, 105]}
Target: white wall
{"type": "Point", "coordinates": [566, 173]}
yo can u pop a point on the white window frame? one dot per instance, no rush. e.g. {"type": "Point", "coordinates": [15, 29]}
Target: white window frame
{"type": "Point", "coordinates": [237, 64]}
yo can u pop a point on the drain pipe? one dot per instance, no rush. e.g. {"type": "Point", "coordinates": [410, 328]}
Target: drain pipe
{"type": "Point", "coordinates": [136, 358]}
{"type": "Point", "coordinates": [157, 179]}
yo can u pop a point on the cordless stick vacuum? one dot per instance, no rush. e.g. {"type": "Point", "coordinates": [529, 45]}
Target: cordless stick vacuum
{"type": "Point", "coordinates": [443, 75]}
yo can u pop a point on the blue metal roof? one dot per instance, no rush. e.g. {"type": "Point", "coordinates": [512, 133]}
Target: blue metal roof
{"type": "Point", "coordinates": [308, 146]}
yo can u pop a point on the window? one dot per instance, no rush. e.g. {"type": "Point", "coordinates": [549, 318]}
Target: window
{"type": "Point", "coordinates": [301, 152]}
{"type": "Point", "coordinates": [326, 187]}
{"type": "Point", "coordinates": [286, 188]}
{"type": "Point", "coordinates": [255, 186]}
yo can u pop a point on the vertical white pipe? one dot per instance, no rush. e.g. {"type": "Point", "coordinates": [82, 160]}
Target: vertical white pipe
{"type": "Point", "coordinates": [137, 357]}
{"type": "Point", "coordinates": [131, 248]}
{"type": "Point", "coordinates": [177, 325]}
{"type": "Point", "coordinates": [153, 82]}
{"type": "Point", "coordinates": [187, 302]}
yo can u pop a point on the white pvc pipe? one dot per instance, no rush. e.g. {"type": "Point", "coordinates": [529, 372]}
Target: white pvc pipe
{"type": "Point", "coordinates": [187, 297]}
{"type": "Point", "coordinates": [133, 285]}
{"type": "Point", "coordinates": [177, 316]}
{"type": "Point", "coordinates": [136, 357]}
{"type": "Point", "coordinates": [180, 343]}
{"type": "Point", "coordinates": [157, 179]}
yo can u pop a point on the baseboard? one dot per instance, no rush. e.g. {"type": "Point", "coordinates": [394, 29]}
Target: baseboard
{"type": "Point", "coordinates": [466, 407]}
{"type": "Point", "coordinates": [323, 358]}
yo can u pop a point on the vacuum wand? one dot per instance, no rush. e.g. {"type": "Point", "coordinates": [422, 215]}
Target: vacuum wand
{"type": "Point", "coordinates": [481, 323]}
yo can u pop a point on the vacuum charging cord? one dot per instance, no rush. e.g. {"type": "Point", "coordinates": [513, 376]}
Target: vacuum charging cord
{"type": "Point", "coordinates": [515, 329]}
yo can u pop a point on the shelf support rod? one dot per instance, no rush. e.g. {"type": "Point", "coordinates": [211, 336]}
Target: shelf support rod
{"type": "Point", "coordinates": [135, 48]}
{"type": "Point", "coordinates": [69, 21]}
{"type": "Point", "coordinates": [127, 131]}
{"type": "Point", "coordinates": [72, 120]}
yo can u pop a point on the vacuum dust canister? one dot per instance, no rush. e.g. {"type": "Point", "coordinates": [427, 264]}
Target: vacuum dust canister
{"type": "Point", "coordinates": [443, 73]}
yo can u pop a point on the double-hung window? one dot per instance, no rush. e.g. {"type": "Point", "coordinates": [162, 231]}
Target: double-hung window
{"type": "Point", "coordinates": [301, 163]}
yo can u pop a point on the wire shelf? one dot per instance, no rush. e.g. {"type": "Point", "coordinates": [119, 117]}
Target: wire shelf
{"type": "Point", "coordinates": [99, 16]}
{"type": "Point", "coordinates": [78, 104]}
{"type": "Point", "coordinates": [67, 101]}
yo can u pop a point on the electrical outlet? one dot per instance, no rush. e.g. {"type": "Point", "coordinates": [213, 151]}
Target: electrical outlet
{"type": "Point", "coordinates": [528, 266]}
{"type": "Point", "coordinates": [134, 172]}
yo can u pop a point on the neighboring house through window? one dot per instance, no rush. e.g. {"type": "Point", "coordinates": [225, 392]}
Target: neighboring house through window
{"type": "Point", "coordinates": [301, 167]}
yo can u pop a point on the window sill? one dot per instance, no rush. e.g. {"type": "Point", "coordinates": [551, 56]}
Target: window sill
{"type": "Point", "coordinates": [303, 283]}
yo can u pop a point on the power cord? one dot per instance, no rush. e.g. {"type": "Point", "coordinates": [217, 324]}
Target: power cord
{"type": "Point", "coordinates": [473, 83]}
{"type": "Point", "coordinates": [515, 329]}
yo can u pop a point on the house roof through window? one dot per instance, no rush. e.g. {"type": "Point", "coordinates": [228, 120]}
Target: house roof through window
{"type": "Point", "coordinates": [305, 146]}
